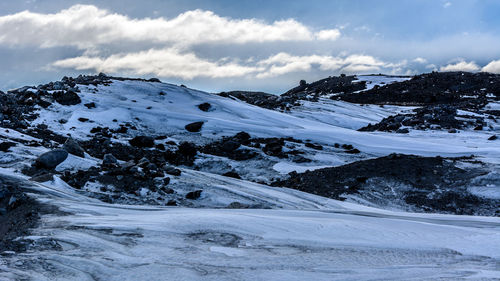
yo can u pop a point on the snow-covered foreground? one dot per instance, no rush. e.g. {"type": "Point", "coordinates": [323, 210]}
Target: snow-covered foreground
{"type": "Point", "coordinates": [309, 238]}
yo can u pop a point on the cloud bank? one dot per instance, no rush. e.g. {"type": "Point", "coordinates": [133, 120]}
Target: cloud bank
{"type": "Point", "coordinates": [86, 26]}
{"type": "Point", "coordinates": [461, 66]}
{"type": "Point", "coordinates": [201, 44]}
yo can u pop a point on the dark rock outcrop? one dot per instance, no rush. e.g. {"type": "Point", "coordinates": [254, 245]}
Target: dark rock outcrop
{"type": "Point", "coordinates": [194, 127]}
{"type": "Point", "coordinates": [193, 195]}
{"type": "Point", "coordinates": [67, 97]}
{"type": "Point", "coordinates": [51, 159]}
{"type": "Point", "coordinates": [142, 141]}
{"type": "Point", "coordinates": [73, 147]}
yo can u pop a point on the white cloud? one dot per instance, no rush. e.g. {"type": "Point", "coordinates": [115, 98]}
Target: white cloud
{"type": "Point", "coordinates": [420, 60]}
{"type": "Point", "coordinates": [171, 62]}
{"type": "Point", "coordinates": [493, 67]}
{"type": "Point", "coordinates": [283, 63]}
{"type": "Point", "coordinates": [86, 26]}
{"type": "Point", "coordinates": [163, 63]}
{"type": "Point", "coordinates": [329, 34]}
{"type": "Point", "coordinates": [461, 66]}
{"type": "Point", "coordinates": [447, 4]}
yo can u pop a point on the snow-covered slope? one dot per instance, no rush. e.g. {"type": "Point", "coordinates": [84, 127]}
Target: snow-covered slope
{"type": "Point", "coordinates": [172, 107]}
{"type": "Point", "coordinates": [242, 229]}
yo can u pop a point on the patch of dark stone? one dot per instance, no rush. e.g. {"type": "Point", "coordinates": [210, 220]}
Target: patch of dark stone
{"type": "Point", "coordinates": [129, 177]}
{"type": "Point", "coordinates": [47, 136]}
{"type": "Point", "coordinates": [18, 214]}
{"type": "Point", "coordinates": [6, 145]}
{"type": "Point", "coordinates": [260, 99]}
{"type": "Point", "coordinates": [493, 112]}
{"type": "Point", "coordinates": [194, 127]}
{"type": "Point", "coordinates": [99, 146]}
{"type": "Point", "coordinates": [314, 146]}
{"type": "Point", "coordinates": [104, 132]}
{"type": "Point", "coordinates": [330, 85]}
{"type": "Point", "coordinates": [50, 160]}
{"type": "Point", "coordinates": [90, 105]}
{"type": "Point", "coordinates": [73, 147]}
{"type": "Point", "coordinates": [231, 147]}
{"type": "Point", "coordinates": [305, 91]}
{"type": "Point", "coordinates": [205, 106]}
{"type": "Point", "coordinates": [232, 174]}
{"type": "Point", "coordinates": [142, 141]}
{"type": "Point", "coordinates": [193, 195]}
{"type": "Point", "coordinates": [463, 89]}
{"type": "Point", "coordinates": [432, 184]}
{"type": "Point", "coordinates": [17, 109]}
{"type": "Point", "coordinates": [67, 98]}
{"type": "Point", "coordinates": [18, 105]}
{"type": "Point", "coordinates": [428, 117]}
{"type": "Point", "coordinates": [237, 148]}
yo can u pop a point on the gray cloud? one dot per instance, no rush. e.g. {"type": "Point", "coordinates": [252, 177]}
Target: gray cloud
{"type": "Point", "coordinates": [209, 49]}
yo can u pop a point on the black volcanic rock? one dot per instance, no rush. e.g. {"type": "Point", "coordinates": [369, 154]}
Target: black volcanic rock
{"type": "Point", "coordinates": [467, 90]}
{"type": "Point", "coordinates": [51, 159]}
{"type": "Point", "coordinates": [430, 184]}
{"type": "Point", "coordinates": [205, 106]}
{"type": "Point", "coordinates": [194, 127]}
{"type": "Point", "coordinates": [193, 195]}
{"type": "Point", "coordinates": [67, 97]}
{"type": "Point", "coordinates": [72, 146]}
{"type": "Point", "coordinates": [142, 141]}
{"type": "Point", "coordinates": [5, 146]}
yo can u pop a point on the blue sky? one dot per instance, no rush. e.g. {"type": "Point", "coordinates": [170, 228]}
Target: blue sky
{"type": "Point", "coordinates": [251, 45]}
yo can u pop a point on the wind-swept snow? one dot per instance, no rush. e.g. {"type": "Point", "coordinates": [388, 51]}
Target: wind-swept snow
{"type": "Point", "coordinates": [172, 107]}
{"type": "Point", "coordinates": [309, 238]}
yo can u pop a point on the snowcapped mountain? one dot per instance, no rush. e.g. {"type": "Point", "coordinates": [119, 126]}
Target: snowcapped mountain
{"type": "Point", "coordinates": [346, 178]}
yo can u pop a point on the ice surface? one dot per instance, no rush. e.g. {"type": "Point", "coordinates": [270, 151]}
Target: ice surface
{"type": "Point", "coordinates": [327, 240]}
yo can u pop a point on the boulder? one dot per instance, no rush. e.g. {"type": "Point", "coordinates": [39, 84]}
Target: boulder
{"type": "Point", "coordinates": [167, 190]}
{"type": "Point", "coordinates": [67, 98]}
{"type": "Point", "coordinates": [242, 136]}
{"type": "Point", "coordinates": [51, 159]}
{"type": "Point", "coordinates": [205, 106]}
{"type": "Point", "coordinates": [193, 195]}
{"type": "Point", "coordinates": [142, 141]}
{"type": "Point", "coordinates": [194, 127]}
{"type": "Point", "coordinates": [5, 146]}
{"type": "Point", "coordinates": [232, 174]}
{"type": "Point", "coordinates": [353, 151]}
{"type": "Point", "coordinates": [172, 171]}
{"type": "Point", "coordinates": [314, 146]}
{"type": "Point", "coordinates": [172, 203]}
{"type": "Point", "coordinates": [187, 149]}
{"type": "Point", "coordinates": [237, 205]}
{"type": "Point", "coordinates": [109, 160]}
{"type": "Point", "coordinates": [90, 105]}
{"type": "Point", "coordinates": [43, 177]}
{"type": "Point", "coordinates": [273, 148]}
{"type": "Point", "coordinates": [72, 146]}
{"type": "Point", "coordinates": [230, 145]}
